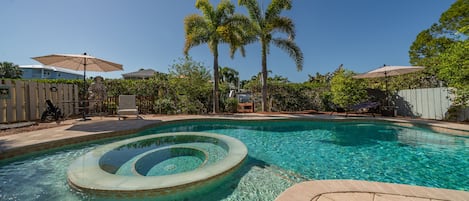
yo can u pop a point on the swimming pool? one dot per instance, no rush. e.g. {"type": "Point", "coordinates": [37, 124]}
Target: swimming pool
{"type": "Point", "coordinates": [280, 154]}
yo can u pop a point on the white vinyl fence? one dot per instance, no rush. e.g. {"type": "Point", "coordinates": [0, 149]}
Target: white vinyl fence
{"type": "Point", "coordinates": [430, 103]}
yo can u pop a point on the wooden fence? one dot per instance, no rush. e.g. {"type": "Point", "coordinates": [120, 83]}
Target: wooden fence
{"type": "Point", "coordinates": [22, 100]}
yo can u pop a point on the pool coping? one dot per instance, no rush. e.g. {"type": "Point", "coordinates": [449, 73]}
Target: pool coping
{"type": "Point", "coordinates": [85, 173]}
{"type": "Point", "coordinates": [366, 191]}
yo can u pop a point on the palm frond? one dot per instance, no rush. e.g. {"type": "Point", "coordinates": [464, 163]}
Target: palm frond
{"type": "Point", "coordinates": [194, 22]}
{"type": "Point", "coordinates": [225, 10]}
{"type": "Point", "coordinates": [292, 49]}
{"type": "Point", "coordinates": [243, 28]}
{"type": "Point", "coordinates": [254, 10]}
{"type": "Point", "coordinates": [193, 40]}
{"type": "Point", "coordinates": [197, 32]}
{"type": "Point", "coordinates": [234, 38]}
{"type": "Point", "coordinates": [275, 8]}
{"type": "Point", "coordinates": [283, 25]}
{"type": "Point", "coordinates": [207, 9]}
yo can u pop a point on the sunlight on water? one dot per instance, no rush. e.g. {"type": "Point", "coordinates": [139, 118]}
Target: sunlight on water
{"type": "Point", "coordinates": [281, 153]}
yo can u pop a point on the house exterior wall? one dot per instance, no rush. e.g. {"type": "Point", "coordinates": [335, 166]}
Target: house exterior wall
{"type": "Point", "coordinates": [41, 73]}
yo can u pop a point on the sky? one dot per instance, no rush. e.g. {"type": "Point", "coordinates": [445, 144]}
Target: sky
{"type": "Point", "coordinates": [360, 34]}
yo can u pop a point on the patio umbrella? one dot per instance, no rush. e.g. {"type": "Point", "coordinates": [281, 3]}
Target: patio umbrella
{"type": "Point", "coordinates": [387, 71]}
{"type": "Point", "coordinates": [79, 62]}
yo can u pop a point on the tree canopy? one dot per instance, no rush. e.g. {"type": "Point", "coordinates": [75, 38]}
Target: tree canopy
{"type": "Point", "coordinates": [216, 26]}
{"type": "Point", "coordinates": [443, 48]}
{"type": "Point", "coordinates": [265, 25]}
{"type": "Point", "coordinates": [432, 42]}
{"type": "Point", "coordinates": [10, 70]}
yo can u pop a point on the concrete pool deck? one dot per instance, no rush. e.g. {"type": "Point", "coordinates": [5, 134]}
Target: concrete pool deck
{"type": "Point", "coordinates": [72, 131]}
{"type": "Point", "coordinates": [328, 190]}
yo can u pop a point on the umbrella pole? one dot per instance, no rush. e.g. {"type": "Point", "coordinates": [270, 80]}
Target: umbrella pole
{"type": "Point", "coordinates": [386, 87]}
{"type": "Point", "coordinates": [84, 91]}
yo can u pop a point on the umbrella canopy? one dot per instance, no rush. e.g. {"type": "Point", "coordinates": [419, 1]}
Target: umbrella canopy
{"type": "Point", "coordinates": [78, 62]}
{"type": "Point", "coordinates": [387, 71]}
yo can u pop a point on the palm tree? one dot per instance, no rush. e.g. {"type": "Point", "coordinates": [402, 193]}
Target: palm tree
{"type": "Point", "coordinates": [230, 76]}
{"type": "Point", "coordinates": [216, 26]}
{"type": "Point", "coordinates": [264, 26]}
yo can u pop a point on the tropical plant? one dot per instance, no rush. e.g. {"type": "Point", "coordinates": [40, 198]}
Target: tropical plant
{"type": "Point", "coordinates": [266, 26]}
{"type": "Point", "coordinates": [216, 26]}
{"type": "Point", "coordinates": [454, 69]}
{"type": "Point", "coordinates": [164, 106]}
{"type": "Point", "coordinates": [231, 105]}
{"type": "Point", "coordinates": [347, 91]}
{"type": "Point", "coordinates": [10, 70]}
{"type": "Point", "coordinates": [321, 97]}
{"type": "Point", "coordinates": [229, 76]}
{"type": "Point", "coordinates": [190, 84]}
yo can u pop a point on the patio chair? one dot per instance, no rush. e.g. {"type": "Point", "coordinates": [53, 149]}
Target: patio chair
{"type": "Point", "coordinates": [364, 108]}
{"type": "Point", "coordinates": [127, 106]}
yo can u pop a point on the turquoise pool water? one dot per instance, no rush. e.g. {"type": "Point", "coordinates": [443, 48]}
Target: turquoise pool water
{"type": "Point", "coordinates": [281, 153]}
{"type": "Point", "coordinates": [152, 157]}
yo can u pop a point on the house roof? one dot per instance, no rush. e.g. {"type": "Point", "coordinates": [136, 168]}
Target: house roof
{"type": "Point", "coordinates": [142, 73]}
{"type": "Point", "coordinates": [52, 68]}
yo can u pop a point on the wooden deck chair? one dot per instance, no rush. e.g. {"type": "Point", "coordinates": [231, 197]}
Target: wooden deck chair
{"type": "Point", "coordinates": [127, 106]}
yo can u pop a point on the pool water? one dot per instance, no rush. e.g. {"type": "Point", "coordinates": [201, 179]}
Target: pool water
{"type": "Point", "coordinates": [164, 162]}
{"type": "Point", "coordinates": [281, 153]}
{"type": "Point", "coordinates": [163, 156]}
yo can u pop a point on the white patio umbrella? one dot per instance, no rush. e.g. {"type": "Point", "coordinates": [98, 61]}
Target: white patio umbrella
{"type": "Point", "coordinates": [79, 62]}
{"type": "Point", "coordinates": [387, 71]}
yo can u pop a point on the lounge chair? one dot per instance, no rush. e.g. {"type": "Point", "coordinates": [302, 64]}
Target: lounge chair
{"type": "Point", "coordinates": [363, 108]}
{"type": "Point", "coordinates": [127, 106]}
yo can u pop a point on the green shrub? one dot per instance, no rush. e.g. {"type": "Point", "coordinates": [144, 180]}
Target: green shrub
{"type": "Point", "coordinates": [231, 105]}
{"type": "Point", "coordinates": [164, 106]}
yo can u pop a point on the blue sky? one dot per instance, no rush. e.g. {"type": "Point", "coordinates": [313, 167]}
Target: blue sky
{"type": "Point", "coordinates": [360, 34]}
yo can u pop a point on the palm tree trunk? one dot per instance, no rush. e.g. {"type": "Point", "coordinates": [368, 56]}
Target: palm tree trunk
{"type": "Point", "coordinates": [216, 96]}
{"type": "Point", "coordinates": [264, 76]}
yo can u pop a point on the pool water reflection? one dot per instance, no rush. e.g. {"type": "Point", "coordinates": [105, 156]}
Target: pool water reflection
{"type": "Point", "coordinates": [281, 153]}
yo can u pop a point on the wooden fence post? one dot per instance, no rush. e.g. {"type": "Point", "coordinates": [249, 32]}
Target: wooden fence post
{"type": "Point", "coordinates": [9, 102]}
{"type": "Point", "coordinates": [33, 101]}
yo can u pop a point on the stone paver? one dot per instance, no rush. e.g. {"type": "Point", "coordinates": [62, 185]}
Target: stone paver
{"type": "Point", "coordinates": [338, 190]}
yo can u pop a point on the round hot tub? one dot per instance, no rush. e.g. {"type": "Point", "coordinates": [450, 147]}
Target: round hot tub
{"type": "Point", "coordinates": [159, 164]}
{"type": "Point", "coordinates": [171, 160]}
